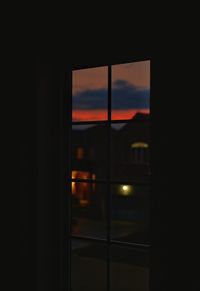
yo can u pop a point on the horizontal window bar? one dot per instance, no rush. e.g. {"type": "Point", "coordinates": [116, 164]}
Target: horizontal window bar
{"type": "Point", "coordinates": [141, 246]}
{"type": "Point", "coordinates": [132, 244]}
{"type": "Point", "coordinates": [125, 121]}
{"type": "Point", "coordinates": [100, 240]}
{"type": "Point", "coordinates": [111, 181]}
{"type": "Point", "coordinates": [94, 122]}
{"type": "Point", "coordinates": [105, 121]}
{"type": "Point", "coordinates": [87, 180]}
{"type": "Point", "coordinates": [139, 58]}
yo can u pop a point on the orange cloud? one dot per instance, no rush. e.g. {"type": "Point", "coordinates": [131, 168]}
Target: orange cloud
{"type": "Point", "coordinates": [136, 73]}
{"type": "Point", "coordinates": [127, 114]}
{"type": "Point", "coordinates": [89, 115]}
{"type": "Point", "coordinates": [93, 79]}
{"type": "Point", "coordinates": [99, 115]}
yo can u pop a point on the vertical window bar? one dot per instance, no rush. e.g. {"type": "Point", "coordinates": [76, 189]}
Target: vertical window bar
{"type": "Point", "coordinates": [65, 206]}
{"type": "Point", "coordinates": [108, 181]}
{"type": "Point", "coordinates": [64, 163]}
{"type": "Point", "coordinates": [68, 184]}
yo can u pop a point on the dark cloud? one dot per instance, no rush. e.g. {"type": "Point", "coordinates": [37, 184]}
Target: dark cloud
{"type": "Point", "coordinates": [124, 96]}
{"type": "Point", "coordinates": [90, 99]}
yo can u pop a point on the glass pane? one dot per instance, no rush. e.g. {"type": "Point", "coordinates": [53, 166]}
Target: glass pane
{"type": "Point", "coordinates": [129, 269]}
{"type": "Point", "coordinates": [89, 151]}
{"type": "Point", "coordinates": [89, 209]}
{"type": "Point", "coordinates": [88, 266]}
{"type": "Point", "coordinates": [130, 213]}
{"type": "Point", "coordinates": [130, 89]}
{"type": "Point", "coordinates": [90, 94]}
{"type": "Point", "coordinates": [130, 149]}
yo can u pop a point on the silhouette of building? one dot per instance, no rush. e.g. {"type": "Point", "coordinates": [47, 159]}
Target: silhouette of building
{"type": "Point", "coordinates": [129, 157]}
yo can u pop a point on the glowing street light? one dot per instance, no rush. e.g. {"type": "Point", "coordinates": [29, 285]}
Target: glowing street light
{"type": "Point", "coordinates": [126, 190]}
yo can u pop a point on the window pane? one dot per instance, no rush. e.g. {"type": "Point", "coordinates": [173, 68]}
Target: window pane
{"type": "Point", "coordinates": [130, 149]}
{"type": "Point", "coordinates": [89, 151]}
{"type": "Point", "coordinates": [90, 94]}
{"type": "Point", "coordinates": [130, 89]}
{"type": "Point", "coordinates": [89, 209]}
{"type": "Point", "coordinates": [130, 213]}
{"type": "Point", "coordinates": [129, 270]}
{"type": "Point", "coordinates": [88, 266]}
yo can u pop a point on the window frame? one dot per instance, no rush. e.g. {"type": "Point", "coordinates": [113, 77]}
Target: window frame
{"type": "Point", "coordinates": [66, 199]}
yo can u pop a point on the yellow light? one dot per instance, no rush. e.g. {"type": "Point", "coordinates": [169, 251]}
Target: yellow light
{"type": "Point", "coordinates": [73, 188]}
{"type": "Point", "coordinates": [140, 145]}
{"type": "Point", "coordinates": [126, 190]}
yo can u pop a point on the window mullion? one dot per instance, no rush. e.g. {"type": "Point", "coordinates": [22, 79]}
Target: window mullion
{"type": "Point", "coordinates": [68, 184]}
{"type": "Point", "coordinates": [108, 181]}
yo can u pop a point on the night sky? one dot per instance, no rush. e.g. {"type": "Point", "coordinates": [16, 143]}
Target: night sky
{"type": "Point", "coordinates": [130, 91]}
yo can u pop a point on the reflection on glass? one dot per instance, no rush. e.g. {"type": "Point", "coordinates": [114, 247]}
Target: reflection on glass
{"type": "Point", "coordinates": [129, 269]}
{"type": "Point", "coordinates": [89, 209]}
{"type": "Point", "coordinates": [130, 213]}
{"type": "Point", "coordinates": [130, 89]}
{"type": "Point", "coordinates": [88, 266]}
{"type": "Point", "coordinates": [130, 149]}
{"type": "Point", "coordinates": [89, 94]}
{"type": "Point", "coordinates": [89, 151]}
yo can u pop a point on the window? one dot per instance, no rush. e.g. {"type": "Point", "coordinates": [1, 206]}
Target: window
{"type": "Point", "coordinates": [109, 178]}
{"type": "Point", "coordinates": [140, 152]}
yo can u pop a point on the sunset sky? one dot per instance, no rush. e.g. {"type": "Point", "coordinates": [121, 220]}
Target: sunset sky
{"type": "Point", "coordinates": [130, 91]}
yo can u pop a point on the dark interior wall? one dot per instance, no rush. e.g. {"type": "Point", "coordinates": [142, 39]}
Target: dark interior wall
{"type": "Point", "coordinates": [47, 179]}
{"type": "Point", "coordinates": [41, 176]}
{"type": "Point", "coordinates": [26, 136]}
